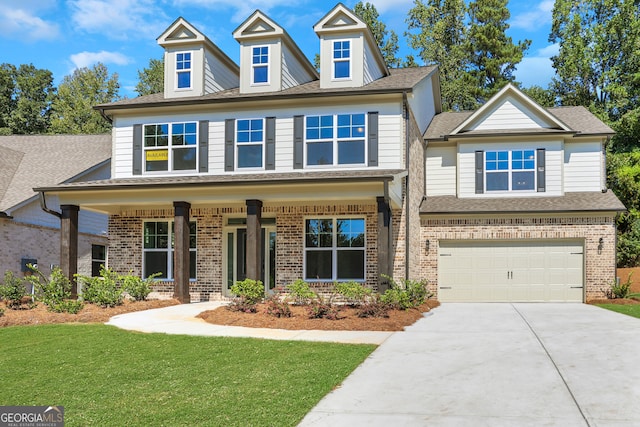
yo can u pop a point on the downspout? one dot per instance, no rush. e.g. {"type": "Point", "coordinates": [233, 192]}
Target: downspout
{"type": "Point", "coordinates": [390, 261]}
{"type": "Point", "coordinates": [104, 116]}
{"type": "Point", "coordinates": [407, 228]}
{"type": "Point", "coordinates": [43, 205]}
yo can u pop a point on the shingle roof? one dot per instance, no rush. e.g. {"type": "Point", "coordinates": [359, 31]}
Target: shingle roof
{"type": "Point", "coordinates": [400, 79]}
{"type": "Point", "coordinates": [578, 119]}
{"type": "Point", "coordinates": [28, 161]}
{"type": "Point", "coordinates": [571, 202]}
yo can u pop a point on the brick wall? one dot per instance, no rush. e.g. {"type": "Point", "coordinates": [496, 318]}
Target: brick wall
{"type": "Point", "coordinates": [599, 261]}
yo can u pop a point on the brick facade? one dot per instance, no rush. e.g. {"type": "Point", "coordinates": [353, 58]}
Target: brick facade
{"type": "Point", "coordinates": [599, 269]}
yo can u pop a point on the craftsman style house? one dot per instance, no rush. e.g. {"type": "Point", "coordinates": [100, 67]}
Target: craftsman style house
{"type": "Point", "coordinates": [273, 171]}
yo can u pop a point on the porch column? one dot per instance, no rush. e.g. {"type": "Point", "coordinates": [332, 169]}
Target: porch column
{"type": "Point", "coordinates": [181, 252]}
{"type": "Point", "coordinates": [69, 245]}
{"type": "Point", "coordinates": [254, 239]}
{"type": "Point", "coordinates": [384, 240]}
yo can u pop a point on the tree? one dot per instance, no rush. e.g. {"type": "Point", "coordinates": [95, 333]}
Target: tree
{"type": "Point", "coordinates": [624, 179]}
{"type": "Point", "coordinates": [492, 54]}
{"type": "Point", "coordinates": [543, 97]}
{"type": "Point", "coordinates": [151, 79]}
{"type": "Point", "coordinates": [73, 111]}
{"type": "Point", "coordinates": [7, 96]}
{"type": "Point", "coordinates": [439, 39]}
{"type": "Point", "coordinates": [386, 40]}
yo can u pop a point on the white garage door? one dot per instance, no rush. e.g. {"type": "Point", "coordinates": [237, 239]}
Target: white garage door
{"type": "Point", "coordinates": [510, 271]}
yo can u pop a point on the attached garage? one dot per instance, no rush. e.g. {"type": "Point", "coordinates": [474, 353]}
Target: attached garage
{"type": "Point", "coordinates": [511, 271]}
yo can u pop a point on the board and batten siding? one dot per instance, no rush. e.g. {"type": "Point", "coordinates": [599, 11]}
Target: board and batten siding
{"type": "Point", "coordinates": [293, 73]}
{"type": "Point", "coordinates": [441, 171]}
{"type": "Point", "coordinates": [553, 168]}
{"type": "Point", "coordinates": [390, 136]}
{"type": "Point", "coordinates": [583, 166]}
{"type": "Point", "coordinates": [509, 115]}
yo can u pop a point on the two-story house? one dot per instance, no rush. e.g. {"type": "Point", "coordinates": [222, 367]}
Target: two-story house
{"type": "Point", "coordinates": [266, 169]}
{"type": "Point", "coordinates": [516, 206]}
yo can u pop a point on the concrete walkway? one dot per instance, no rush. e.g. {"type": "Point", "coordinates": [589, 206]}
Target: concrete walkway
{"type": "Point", "coordinates": [181, 320]}
{"type": "Point", "coordinates": [497, 365]}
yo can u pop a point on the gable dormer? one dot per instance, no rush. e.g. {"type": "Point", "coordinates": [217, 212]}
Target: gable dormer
{"type": "Point", "coordinates": [193, 65]}
{"type": "Point", "coordinates": [349, 55]}
{"type": "Point", "coordinates": [270, 61]}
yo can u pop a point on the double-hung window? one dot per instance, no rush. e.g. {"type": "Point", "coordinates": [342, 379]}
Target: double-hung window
{"type": "Point", "coordinates": [250, 143]}
{"type": "Point", "coordinates": [334, 249]}
{"type": "Point", "coordinates": [98, 259]}
{"type": "Point", "coordinates": [158, 249]}
{"type": "Point", "coordinates": [183, 70]}
{"type": "Point", "coordinates": [171, 147]}
{"type": "Point", "coordinates": [342, 59]}
{"type": "Point", "coordinates": [337, 139]}
{"type": "Point", "coordinates": [510, 170]}
{"type": "Point", "coordinates": [260, 65]}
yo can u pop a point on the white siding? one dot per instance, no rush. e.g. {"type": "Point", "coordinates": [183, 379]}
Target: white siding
{"type": "Point", "coordinates": [293, 73]}
{"type": "Point", "coordinates": [284, 144]}
{"type": "Point", "coordinates": [122, 161]}
{"type": "Point", "coordinates": [441, 171]}
{"type": "Point", "coordinates": [372, 70]}
{"type": "Point", "coordinates": [510, 115]}
{"type": "Point", "coordinates": [217, 77]}
{"type": "Point", "coordinates": [391, 141]}
{"type": "Point", "coordinates": [582, 166]}
{"type": "Point", "coordinates": [422, 103]}
{"type": "Point", "coordinates": [553, 168]}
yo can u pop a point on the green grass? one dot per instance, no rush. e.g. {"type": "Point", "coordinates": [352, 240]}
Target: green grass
{"type": "Point", "coordinates": [109, 377]}
{"type": "Point", "coordinates": [629, 310]}
{"type": "Point", "coordinates": [634, 295]}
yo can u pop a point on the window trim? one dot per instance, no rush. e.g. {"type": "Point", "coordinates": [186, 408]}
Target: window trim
{"type": "Point", "coordinates": [336, 141]}
{"type": "Point", "coordinates": [184, 71]}
{"type": "Point", "coordinates": [170, 147]}
{"type": "Point", "coordinates": [348, 60]}
{"type": "Point", "coordinates": [237, 144]}
{"type": "Point", "coordinates": [254, 66]}
{"type": "Point", "coordinates": [169, 249]}
{"type": "Point", "coordinates": [102, 261]}
{"type": "Point", "coordinates": [510, 170]}
{"type": "Point", "coordinates": [334, 248]}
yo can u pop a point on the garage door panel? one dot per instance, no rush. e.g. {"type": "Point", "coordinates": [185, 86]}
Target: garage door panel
{"type": "Point", "coordinates": [511, 271]}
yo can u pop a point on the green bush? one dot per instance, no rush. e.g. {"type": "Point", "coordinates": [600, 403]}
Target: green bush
{"type": "Point", "coordinates": [396, 299]}
{"type": "Point", "coordinates": [620, 290]}
{"type": "Point", "coordinates": [13, 290]}
{"type": "Point", "coordinates": [105, 290]}
{"type": "Point", "coordinates": [276, 306]}
{"type": "Point", "coordinates": [137, 288]}
{"type": "Point", "coordinates": [54, 290]}
{"type": "Point", "coordinates": [406, 294]}
{"type": "Point", "coordinates": [354, 293]}
{"type": "Point", "coordinates": [300, 292]}
{"type": "Point", "coordinates": [251, 291]}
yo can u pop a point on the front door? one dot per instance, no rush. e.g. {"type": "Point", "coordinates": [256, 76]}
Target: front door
{"type": "Point", "coordinates": [236, 256]}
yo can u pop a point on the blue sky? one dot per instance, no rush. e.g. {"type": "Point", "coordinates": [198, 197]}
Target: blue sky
{"type": "Point", "coordinates": [61, 35]}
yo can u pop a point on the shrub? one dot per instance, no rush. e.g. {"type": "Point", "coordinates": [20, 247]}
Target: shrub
{"type": "Point", "coordinates": [354, 293]}
{"type": "Point", "coordinates": [54, 290]}
{"type": "Point", "coordinates": [248, 293]}
{"type": "Point", "coordinates": [620, 290]}
{"type": "Point", "coordinates": [276, 307]}
{"type": "Point", "coordinates": [406, 294]}
{"type": "Point", "coordinates": [321, 308]}
{"type": "Point", "coordinates": [300, 292]}
{"type": "Point", "coordinates": [375, 307]}
{"type": "Point", "coordinates": [396, 299]}
{"type": "Point", "coordinates": [137, 288]}
{"type": "Point", "coordinates": [13, 290]}
{"type": "Point", "coordinates": [105, 290]}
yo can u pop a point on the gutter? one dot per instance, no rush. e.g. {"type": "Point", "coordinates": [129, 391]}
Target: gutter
{"type": "Point", "coordinates": [5, 216]}
{"type": "Point", "coordinates": [43, 205]}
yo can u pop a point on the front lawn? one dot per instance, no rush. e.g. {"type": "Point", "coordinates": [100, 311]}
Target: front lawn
{"type": "Point", "coordinates": [109, 377]}
{"type": "Point", "coordinates": [630, 310]}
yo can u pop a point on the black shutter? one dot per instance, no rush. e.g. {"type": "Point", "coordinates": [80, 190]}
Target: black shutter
{"type": "Point", "coordinates": [229, 138]}
{"type": "Point", "coordinates": [298, 142]}
{"type": "Point", "coordinates": [541, 170]}
{"type": "Point", "coordinates": [203, 145]}
{"type": "Point", "coordinates": [372, 140]}
{"type": "Point", "coordinates": [137, 149]}
{"type": "Point", "coordinates": [479, 172]}
{"type": "Point", "coordinates": [270, 163]}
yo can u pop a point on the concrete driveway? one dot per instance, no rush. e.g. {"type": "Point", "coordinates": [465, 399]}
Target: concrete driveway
{"type": "Point", "coordinates": [497, 365]}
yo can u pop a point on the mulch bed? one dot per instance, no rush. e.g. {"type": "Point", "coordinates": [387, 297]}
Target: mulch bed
{"type": "Point", "coordinates": [617, 301]}
{"type": "Point", "coordinates": [348, 321]}
{"type": "Point", "coordinates": [89, 314]}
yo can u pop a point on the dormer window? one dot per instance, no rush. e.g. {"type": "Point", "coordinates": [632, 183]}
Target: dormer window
{"type": "Point", "coordinates": [183, 70]}
{"type": "Point", "coordinates": [342, 59]}
{"type": "Point", "coordinates": [260, 65]}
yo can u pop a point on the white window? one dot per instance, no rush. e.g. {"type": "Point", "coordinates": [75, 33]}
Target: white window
{"type": "Point", "coordinates": [157, 253]}
{"type": "Point", "coordinates": [183, 70]}
{"type": "Point", "coordinates": [342, 59]}
{"type": "Point", "coordinates": [334, 249]}
{"type": "Point", "coordinates": [171, 147]}
{"type": "Point", "coordinates": [260, 65]}
{"type": "Point", "coordinates": [337, 139]}
{"type": "Point", "coordinates": [510, 170]}
{"type": "Point", "coordinates": [250, 143]}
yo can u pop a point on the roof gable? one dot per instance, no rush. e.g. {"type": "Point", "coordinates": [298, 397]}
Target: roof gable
{"type": "Point", "coordinates": [257, 25]}
{"type": "Point", "coordinates": [180, 32]}
{"type": "Point", "coordinates": [510, 109]}
{"type": "Point", "coordinates": [339, 18]}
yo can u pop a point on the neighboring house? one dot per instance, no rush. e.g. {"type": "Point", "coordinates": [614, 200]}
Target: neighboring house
{"type": "Point", "coordinates": [28, 234]}
{"type": "Point", "coordinates": [516, 205]}
{"type": "Point", "coordinates": [273, 171]}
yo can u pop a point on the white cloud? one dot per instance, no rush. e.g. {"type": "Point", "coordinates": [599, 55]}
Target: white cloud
{"type": "Point", "coordinates": [85, 59]}
{"type": "Point", "coordinates": [243, 8]}
{"type": "Point", "coordinates": [535, 18]}
{"type": "Point", "coordinates": [391, 5]}
{"type": "Point", "coordinates": [537, 70]}
{"type": "Point", "coordinates": [18, 23]}
{"type": "Point", "coordinates": [549, 51]}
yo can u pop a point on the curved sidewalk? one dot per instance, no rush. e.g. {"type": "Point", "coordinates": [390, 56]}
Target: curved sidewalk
{"type": "Point", "coordinates": [182, 320]}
